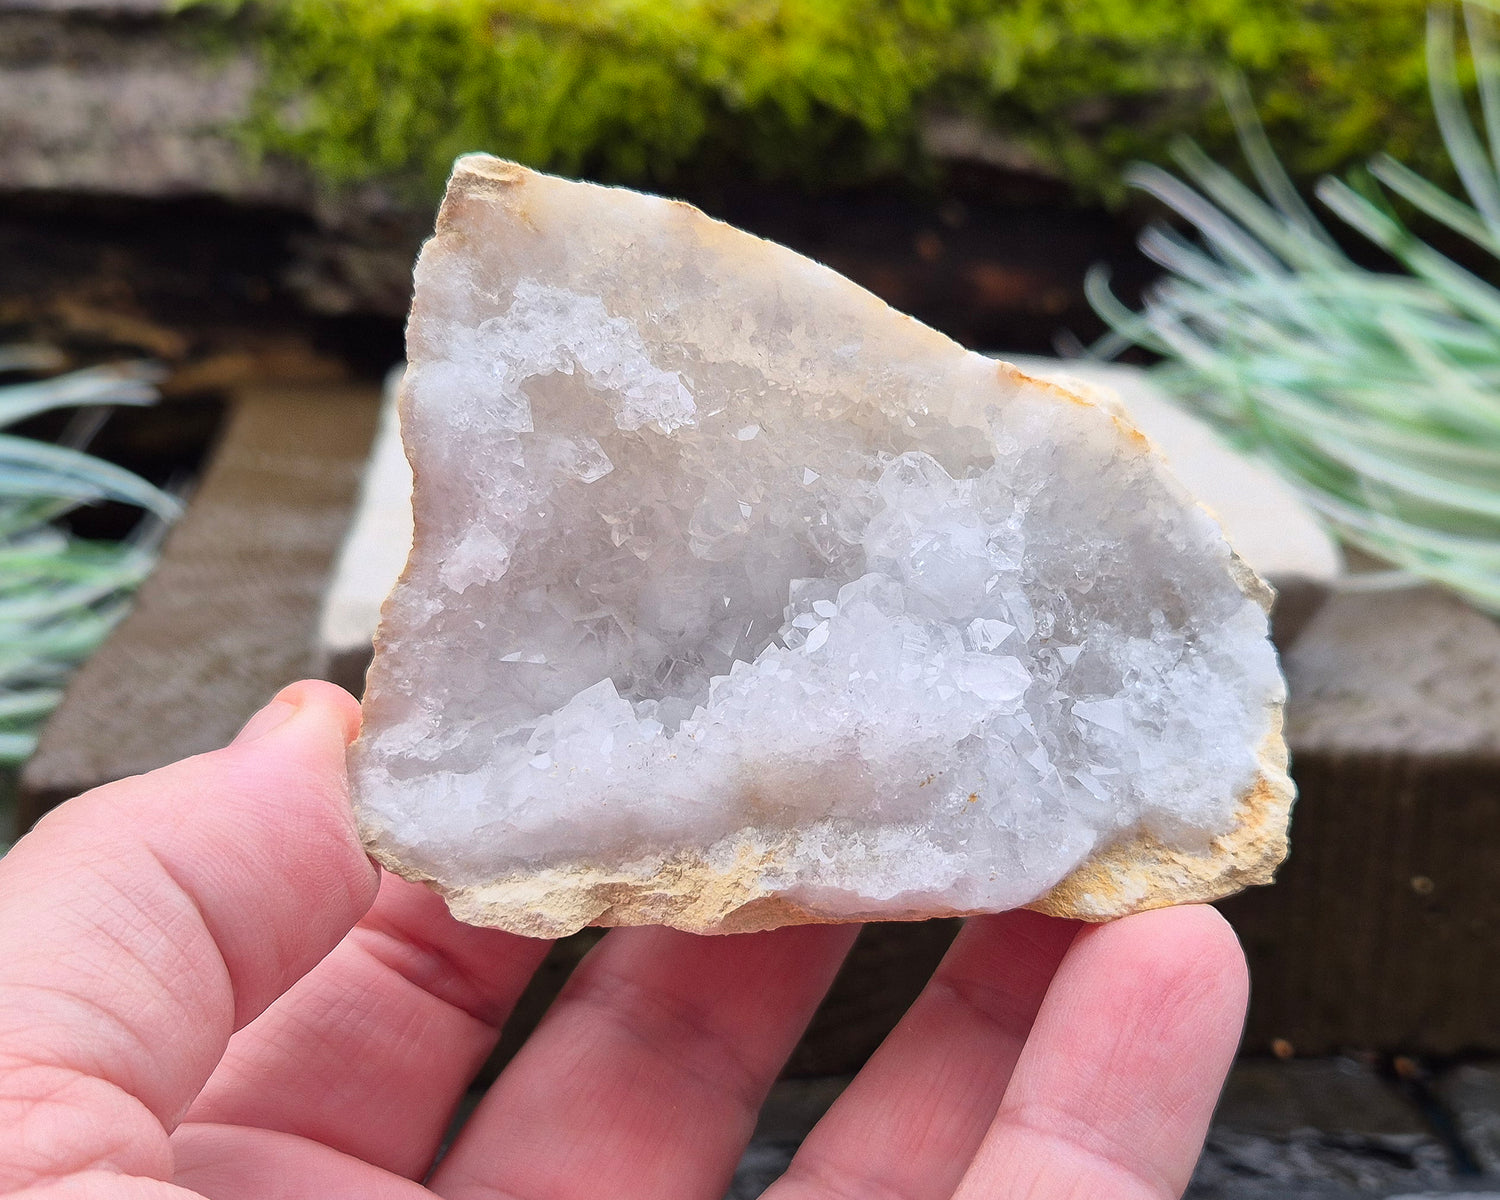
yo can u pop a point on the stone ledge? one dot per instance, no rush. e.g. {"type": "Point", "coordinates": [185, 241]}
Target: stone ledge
{"type": "Point", "coordinates": [1471, 1094]}
{"type": "Point", "coordinates": [119, 99]}
{"type": "Point", "coordinates": [1319, 1129]}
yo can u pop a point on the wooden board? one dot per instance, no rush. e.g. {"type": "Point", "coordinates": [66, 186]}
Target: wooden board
{"type": "Point", "coordinates": [1383, 928]}
{"type": "Point", "coordinates": [229, 615]}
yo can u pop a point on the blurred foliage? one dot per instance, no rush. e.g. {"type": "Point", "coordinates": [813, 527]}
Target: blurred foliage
{"type": "Point", "coordinates": [61, 594]}
{"type": "Point", "coordinates": [822, 91]}
{"type": "Point", "coordinates": [1376, 394]}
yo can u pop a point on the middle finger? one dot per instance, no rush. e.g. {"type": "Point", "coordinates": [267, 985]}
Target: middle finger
{"type": "Point", "coordinates": [644, 1080]}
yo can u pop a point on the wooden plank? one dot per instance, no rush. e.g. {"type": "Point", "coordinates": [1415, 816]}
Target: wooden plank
{"type": "Point", "coordinates": [229, 615]}
{"type": "Point", "coordinates": [1383, 928]}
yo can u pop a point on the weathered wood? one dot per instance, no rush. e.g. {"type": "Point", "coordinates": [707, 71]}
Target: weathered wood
{"type": "Point", "coordinates": [1383, 928]}
{"type": "Point", "coordinates": [229, 615]}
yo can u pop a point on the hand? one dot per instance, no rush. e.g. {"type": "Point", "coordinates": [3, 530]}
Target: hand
{"type": "Point", "coordinates": [202, 994]}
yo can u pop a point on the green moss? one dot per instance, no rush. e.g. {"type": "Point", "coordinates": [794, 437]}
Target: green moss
{"type": "Point", "coordinates": [824, 91]}
{"type": "Point", "coordinates": [1335, 81]}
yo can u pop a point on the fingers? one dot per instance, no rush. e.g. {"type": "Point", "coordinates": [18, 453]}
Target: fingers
{"type": "Point", "coordinates": [644, 1080]}
{"type": "Point", "coordinates": [142, 923]}
{"type": "Point", "coordinates": [1114, 1090]}
{"type": "Point", "coordinates": [909, 1123]}
{"type": "Point", "coordinates": [217, 1162]}
{"type": "Point", "coordinates": [107, 1185]}
{"type": "Point", "coordinates": [371, 1051]}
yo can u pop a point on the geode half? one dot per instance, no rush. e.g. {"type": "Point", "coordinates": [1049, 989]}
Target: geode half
{"type": "Point", "coordinates": [738, 599]}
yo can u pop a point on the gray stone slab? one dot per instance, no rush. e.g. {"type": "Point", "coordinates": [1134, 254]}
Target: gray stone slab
{"type": "Point", "coordinates": [1341, 1095]}
{"type": "Point", "coordinates": [1236, 1165]}
{"type": "Point", "coordinates": [763, 1163]}
{"type": "Point", "coordinates": [1329, 1127]}
{"type": "Point", "coordinates": [1325, 1129]}
{"type": "Point", "coordinates": [1462, 1191]}
{"type": "Point", "coordinates": [1413, 672]}
{"type": "Point", "coordinates": [1319, 1191]}
{"type": "Point", "coordinates": [112, 98]}
{"type": "Point", "coordinates": [794, 1106]}
{"type": "Point", "coordinates": [1471, 1094]}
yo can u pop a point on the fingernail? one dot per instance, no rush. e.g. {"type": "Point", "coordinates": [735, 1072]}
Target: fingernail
{"type": "Point", "coordinates": [276, 713]}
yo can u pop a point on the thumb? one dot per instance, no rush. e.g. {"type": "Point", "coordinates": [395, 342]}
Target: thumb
{"type": "Point", "coordinates": [145, 921]}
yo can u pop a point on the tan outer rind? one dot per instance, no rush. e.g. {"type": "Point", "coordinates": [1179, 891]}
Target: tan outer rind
{"type": "Point", "coordinates": [688, 893]}
{"type": "Point", "coordinates": [1142, 873]}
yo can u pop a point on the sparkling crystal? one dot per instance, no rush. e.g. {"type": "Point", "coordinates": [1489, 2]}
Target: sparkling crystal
{"type": "Point", "coordinates": [737, 598]}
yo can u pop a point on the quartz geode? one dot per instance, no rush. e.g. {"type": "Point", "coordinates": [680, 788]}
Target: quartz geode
{"type": "Point", "coordinates": [738, 599]}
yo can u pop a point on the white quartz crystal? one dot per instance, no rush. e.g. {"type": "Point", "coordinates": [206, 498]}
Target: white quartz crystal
{"type": "Point", "coordinates": [733, 587]}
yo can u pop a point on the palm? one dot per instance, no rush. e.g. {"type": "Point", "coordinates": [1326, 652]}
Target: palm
{"type": "Point", "coordinates": [1041, 1061]}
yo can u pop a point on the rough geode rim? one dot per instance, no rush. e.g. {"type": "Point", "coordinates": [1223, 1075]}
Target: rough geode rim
{"type": "Point", "coordinates": [685, 891]}
{"type": "Point", "coordinates": [1132, 875]}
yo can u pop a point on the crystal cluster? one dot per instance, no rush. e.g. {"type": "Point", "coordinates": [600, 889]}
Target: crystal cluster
{"type": "Point", "coordinates": [732, 586]}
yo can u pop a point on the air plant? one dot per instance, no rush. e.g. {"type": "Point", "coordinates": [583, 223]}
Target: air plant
{"type": "Point", "coordinates": [60, 594]}
{"type": "Point", "coordinates": [1376, 393]}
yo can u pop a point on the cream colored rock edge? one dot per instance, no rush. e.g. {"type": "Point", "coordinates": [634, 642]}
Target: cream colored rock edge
{"type": "Point", "coordinates": [617, 410]}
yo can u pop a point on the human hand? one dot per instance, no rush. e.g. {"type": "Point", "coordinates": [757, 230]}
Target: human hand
{"type": "Point", "coordinates": [146, 922]}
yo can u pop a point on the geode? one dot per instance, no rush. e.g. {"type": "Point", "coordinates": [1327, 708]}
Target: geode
{"type": "Point", "coordinates": [738, 599]}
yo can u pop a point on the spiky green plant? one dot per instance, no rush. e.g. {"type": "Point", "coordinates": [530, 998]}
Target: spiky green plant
{"type": "Point", "coordinates": [1376, 393]}
{"type": "Point", "coordinates": [60, 594]}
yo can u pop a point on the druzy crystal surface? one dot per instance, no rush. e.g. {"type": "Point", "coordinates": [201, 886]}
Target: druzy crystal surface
{"type": "Point", "coordinates": [733, 586]}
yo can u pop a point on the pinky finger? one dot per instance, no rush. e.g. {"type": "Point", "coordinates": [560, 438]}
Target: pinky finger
{"type": "Point", "coordinates": [1113, 1093]}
